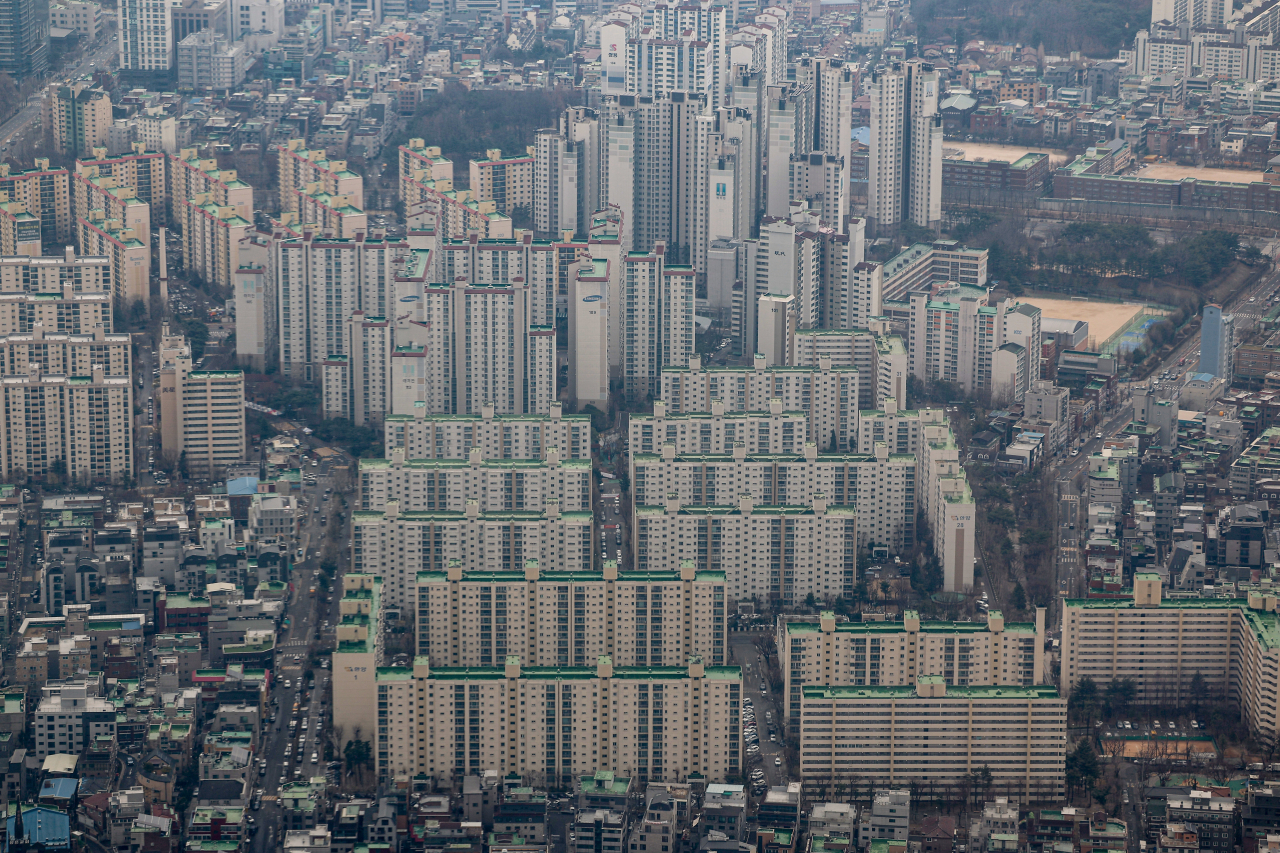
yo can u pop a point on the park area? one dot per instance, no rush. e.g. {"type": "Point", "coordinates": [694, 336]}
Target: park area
{"type": "Point", "coordinates": [1105, 319]}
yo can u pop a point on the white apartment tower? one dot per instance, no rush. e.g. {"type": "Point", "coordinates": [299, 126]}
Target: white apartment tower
{"type": "Point", "coordinates": [1198, 13]}
{"type": "Point", "coordinates": [146, 38]}
{"type": "Point", "coordinates": [657, 325]}
{"type": "Point", "coordinates": [904, 171]}
{"type": "Point", "coordinates": [681, 47]}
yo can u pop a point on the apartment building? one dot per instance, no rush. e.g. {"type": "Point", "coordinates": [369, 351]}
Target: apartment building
{"type": "Point", "coordinates": [320, 283]}
{"type": "Point", "coordinates": [426, 485]}
{"type": "Point", "coordinates": [981, 348]}
{"type": "Point", "coordinates": [383, 542]}
{"type": "Point", "coordinates": [274, 517]}
{"type": "Point", "coordinates": [829, 396]}
{"type": "Point", "coordinates": [418, 155]}
{"type": "Point", "coordinates": [63, 294]}
{"type": "Point", "coordinates": [657, 324]}
{"type": "Point", "coordinates": [329, 214]}
{"type": "Point", "coordinates": [70, 717]}
{"type": "Point", "coordinates": [890, 736]}
{"type": "Point", "coordinates": [894, 654]}
{"type": "Point", "coordinates": [44, 193]}
{"type": "Point", "coordinates": [68, 404]}
{"type": "Point", "coordinates": [356, 657]}
{"type": "Point", "coordinates": [85, 17]}
{"type": "Point", "coordinates": [902, 430]}
{"type": "Point", "coordinates": [147, 41]}
{"type": "Point", "coordinates": [433, 436]}
{"type": "Point", "coordinates": [128, 254]}
{"type": "Point", "coordinates": [143, 169]}
{"type": "Point", "coordinates": [189, 175]}
{"type": "Point", "coordinates": [718, 431]}
{"type": "Point", "coordinates": [506, 181]}
{"type": "Point", "coordinates": [878, 488]}
{"type": "Point", "coordinates": [257, 306]}
{"type": "Point", "coordinates": [455, 213]}
{"type": "Point", "coordinates": [570, 618]}
{"type": "Point", "coordinates": [201, 412]}
{"type": "Point", "coordinates": [93, 192]}
{"type": "Point", "coordinates": [659, 723]}
{"type": "Point", "coordinates": [947, 503]}
{"type": "Point", "coordinates": [905, 165]}
{"type": "Point", "coordinates": [19, 230]}
{"type": "Point", "coordinates": [481, 343]}
{"type": "Point", "coordinates": [1163, 643]}
{"type": "Point", "coordinates": [213, 423]}
{"type": "Point", "coordinates": [300, 168]}
{"type": "Point", "coordinates": [880, 356]}
{"type": "Point", "coordinates": [546, 266]}
{"type": "Point", "coordinates": [79, 116]}
{"type": "Point", "coordinates": [746, 542]}
{"type": "Point", "coordinates": [211, 236]}
{"type": "Point", "coordinates": [565, 178]}
{"type": "Point", "coordinates": [588, 327]}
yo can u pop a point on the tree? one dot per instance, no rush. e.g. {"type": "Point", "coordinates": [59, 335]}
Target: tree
{"type": "Point", "coordinates": [1084, 699]}
{"type": "Point", "coordinates": [1082, 767]}
{"type": "Point", "coordinates": [1019, 597]}
{"type": "Point", "coordinates": [1120, 695]}
{"type": "Point", "coordinates": [1198, 688]}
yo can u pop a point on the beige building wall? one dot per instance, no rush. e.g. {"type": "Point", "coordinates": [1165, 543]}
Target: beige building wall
{"type": "Point", "coordinates": [894, 736]}
{"type": "Point", "coordinates": [46, 194]}
{"type": "Point", "coordinates": [478, 618]}
{"type": "Point", "coordinates": [496, 484]}
{"type": "Point", "coordinates": [62, 293]}
{"type": "Point", "coordinates": [549, 724]}
{"type": "Point", "coordinates": [441, 436]}
{"type": "Point", "coordinates": [213, 428]}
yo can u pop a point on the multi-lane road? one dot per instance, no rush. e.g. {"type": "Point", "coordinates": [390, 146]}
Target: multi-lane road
{"type": "Point", "coordinates": [27, 120]}
{"type": "Point", "coordinates": [306, 633]}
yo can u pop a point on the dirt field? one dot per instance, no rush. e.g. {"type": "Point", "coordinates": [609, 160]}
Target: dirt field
{"type": "Point", "coordinates": [1136, 747]}
{"type": "Point", "coordinates": [1104, 318]}
{"type": "Point", "coordinates": [1172, 171]}
{"type": "Point", "coordinates": [992, 151]}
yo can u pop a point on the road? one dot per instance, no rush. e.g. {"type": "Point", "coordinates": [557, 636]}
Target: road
{"type": "Point", "coordinates": [15, 129]}
{"type": "Point", "coordinates": [307, 614]}
{"type": "Point", "coordinates": [744, 654]}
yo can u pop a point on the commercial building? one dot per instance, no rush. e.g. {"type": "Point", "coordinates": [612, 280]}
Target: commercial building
{"type": "Point", "coordinates": [83, 16]}
{"type": "Point", "coordinates": [1217, 342]}
{"type": "Point", "coordinates": [904, 172]}
{"type": "Point", "coordinates": [1162, 644]}
{"type": "Point", "coordinates": [879, 489]}
{"type": "Point", "coordinates": [506, 181]}
{"type": "Point", "coordinates": [425, 485]}
{"type": "Point", "coordinates": [890, 736]}
{"type": "Point", "coordinates": [570, 618]}
{"type": "Point", "coordinates": [78, 116]}
{"type": "Point", "coordinates": [505, 541]}
{"type": "Point", "coordinates": [825, 651]}
{"type": "Point", "coordinates": [64, 294]}
{"type": "Point", "coordinates": [68, 406]}
{"type": "Point", "coordinates": [433, 436]}
{"type": "Point", "coordinates": [24, 40]}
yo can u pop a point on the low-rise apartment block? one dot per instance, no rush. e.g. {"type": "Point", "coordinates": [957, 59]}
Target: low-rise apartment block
{"type": "Point", "coordinates": [890, 736]}
{"type": "Point", "coordinates": [557, 723]}
{"type": "Point", "coordinates": [894, 654]}
{"type": "Point", "coordinates": [1162, 644]}
{"type": "Point", "coordinates": [478, 618]}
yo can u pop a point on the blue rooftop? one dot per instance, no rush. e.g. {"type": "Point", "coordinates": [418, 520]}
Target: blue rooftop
{"type": "Point", "coordinates": [1202, 377]}
{"type": "Point", "coordinates": [59, 789]}
{"type": "Point", "coordinates": [42, 825]}
{"type": "Point", "coordinates": [242, 486]}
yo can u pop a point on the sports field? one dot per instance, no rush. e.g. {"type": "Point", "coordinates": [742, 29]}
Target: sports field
{"type": "Point", "coordinates": [1104, 318]}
